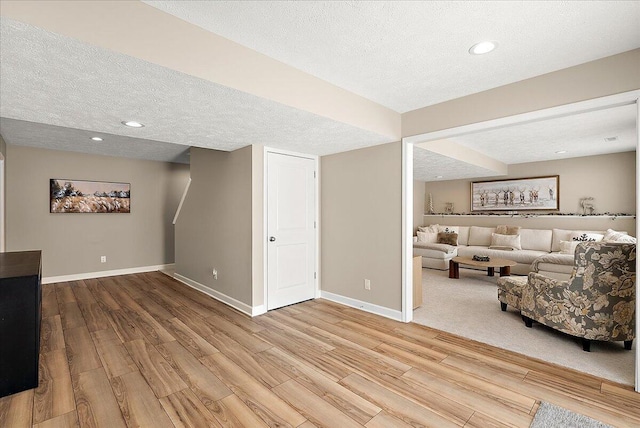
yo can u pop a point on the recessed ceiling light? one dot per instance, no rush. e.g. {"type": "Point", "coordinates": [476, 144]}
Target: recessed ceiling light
{"type": "Point", "coordinates": [561, 152]}
{"type": "Point", "coordinates": [438, 176]}
{"type": "Point", "coordinates": [132, 124]}
{"type": "Point", "coordinates": [611, 139]}
{"type": "Point", "coordinates": [96, 138]}
{"type": "Point", "coordinates": [483, 47]}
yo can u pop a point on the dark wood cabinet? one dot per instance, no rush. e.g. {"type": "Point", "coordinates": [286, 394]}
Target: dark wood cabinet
{"type": "Point", "coordinates": [20, 312]}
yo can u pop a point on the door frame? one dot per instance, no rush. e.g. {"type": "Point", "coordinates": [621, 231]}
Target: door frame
{"type": "Point", "coordinates": [3, 183]}
{"type": "Point", "coordinates": [265, 212]}
{"type": "Point", "coordinates": [625, 98]}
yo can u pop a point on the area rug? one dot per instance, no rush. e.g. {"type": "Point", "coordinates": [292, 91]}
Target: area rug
{"type": "Point", "coordinates": [469, 307]}
{"type": "Point", "coordinates": [552, 416]}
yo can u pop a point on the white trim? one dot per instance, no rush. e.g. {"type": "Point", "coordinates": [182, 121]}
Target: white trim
{"type": "Point", "coordinates": [258, 310]}
{"type": "Point", "coordinates": [184, 196]}
{"type": "Point", "coordinates": [105, 273]}
{"type": "Point", "coordinates": [624, 98]}
{"type": "Point", "coordinates": [2, 205]}
{"type": "Point", "coordinates": [637, 384]}
{"type": "Point", "coordinates": [536, 216]}
{"type": "Point", "coordinates": [363, 306]}
{"type": "Point", "coordinates": [227, 300]}
{"type": "Point", "coordinates": [407, 231]}
{"type": "Point", "coordinates": [265, 212]}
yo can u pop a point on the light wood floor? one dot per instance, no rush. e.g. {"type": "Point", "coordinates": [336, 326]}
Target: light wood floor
{"type": "Point", "coordinates": [145, 350]}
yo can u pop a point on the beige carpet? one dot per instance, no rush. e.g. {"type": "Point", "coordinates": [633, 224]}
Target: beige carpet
{"type": "Point", "coordinates": [469, 307]}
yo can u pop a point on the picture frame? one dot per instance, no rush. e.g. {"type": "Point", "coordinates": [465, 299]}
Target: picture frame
{"type": "Point", "coordinates": [83, 196]}
{"type": "Point", "coordinates": [518, 194]}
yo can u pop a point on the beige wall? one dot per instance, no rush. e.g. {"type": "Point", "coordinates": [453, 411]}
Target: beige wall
{"type": "Point", "coordinates": [607, 76]}
{"type": "Point", "coordinates": [361, 215]}
{"type": "Point", "coordinates": [610, 179]}
{"type": "Point", "coordinates": [419, 207]}
{"type": "Point", "coordinates": [214, 229]}
{"type": "Point", "coordinates": [73, 243]}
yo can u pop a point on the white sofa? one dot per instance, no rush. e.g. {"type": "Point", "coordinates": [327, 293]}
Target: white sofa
{"type": "Point", "coordinates": [540, 249]}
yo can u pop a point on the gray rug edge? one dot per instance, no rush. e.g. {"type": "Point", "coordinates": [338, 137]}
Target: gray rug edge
{"type": "Point", "coordinates": [549, 415]}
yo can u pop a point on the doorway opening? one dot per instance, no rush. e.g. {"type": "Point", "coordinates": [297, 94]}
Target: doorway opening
{"type": "Point", "coordinates": [630, 98]}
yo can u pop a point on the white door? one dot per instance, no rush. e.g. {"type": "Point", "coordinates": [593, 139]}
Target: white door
{"type": "Point", "coordinates": [291, 246]}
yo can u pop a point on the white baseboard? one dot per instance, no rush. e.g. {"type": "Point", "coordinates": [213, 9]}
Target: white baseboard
{"type": "Point", "coordinates": [242, 307]}
{"type": "Point", "coordinates": [259, 310]}
{"type": "Point", "coordinates": [365, 306]}
{"type": "Point", "coordinates": [105, 273]}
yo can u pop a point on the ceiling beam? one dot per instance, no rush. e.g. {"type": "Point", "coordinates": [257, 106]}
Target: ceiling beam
{"type": "Point", "coordinates": [464, 154]}
{"type": "Point", "coordinates": [142, 31]}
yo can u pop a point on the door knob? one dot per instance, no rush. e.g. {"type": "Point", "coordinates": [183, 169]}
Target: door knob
{"type": "Point", "coordinates": [272, 238]}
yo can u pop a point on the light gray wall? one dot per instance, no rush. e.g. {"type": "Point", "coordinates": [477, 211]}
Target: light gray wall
{"type": "Point", "coordinates": [610, 179]}
{"type": "Point", "coordinates": [606, 76]}
{"type": "Point", "coordinates": [361, 215]}
{"type": "Point", "coordinates": [214, 229]}
{"type": "Point", "coordinates": [73, 243]}
{"type": "Point", "coordinates": [419, 207]}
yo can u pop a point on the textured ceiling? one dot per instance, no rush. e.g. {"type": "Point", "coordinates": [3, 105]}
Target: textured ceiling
{"type": "Point", "coordinates": [403, 55]}
{"type": "Point", "coordinates": [428, 165]}
{"type": "Point", "coordinates": [56, 80]}
{"type": "Point", "coordinates": [43, 136]}
{"type": "Point", "coordinates": [580, 135]}
{"type": "Point", "coordinates": [409, 54]}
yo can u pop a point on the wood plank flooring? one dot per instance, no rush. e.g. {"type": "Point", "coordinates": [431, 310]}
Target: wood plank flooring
{"type": "Point", "coordinates": [145, 350]}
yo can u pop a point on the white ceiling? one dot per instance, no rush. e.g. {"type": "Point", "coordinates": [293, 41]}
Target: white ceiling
{"type": "Point", "coordinates": [403, 55]}
{"type": "Point", "coordinates": [580, 135]}
{"type": "Point", "coordinates": [409, 54]}
{"type": "Point", "coordinates": [83, 87]}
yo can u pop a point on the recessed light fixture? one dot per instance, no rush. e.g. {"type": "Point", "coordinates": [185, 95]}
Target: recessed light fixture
{"type": "Point", "coordinates": [96, 139]}
{"type": "Point", "coordinates": [438, 176]}
{"type": "Point", "coordinates": [483, 47]}
{"type": "Point", "coordinates": [559, 152]}
{"type": "Point", "coordinates": [611, 139]}
{"type": "Point", "coordinates": [132, 124]}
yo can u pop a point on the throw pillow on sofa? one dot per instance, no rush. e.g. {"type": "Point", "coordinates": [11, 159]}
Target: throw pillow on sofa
{"type": "Point", "coordinates": [613, 236]}
{"type": "Point", "coordinates": [434, 228]}
{"type": "Point", "coordinates": [449, 229]}
{"type": "Point", "coordinates": [430, 237]}
{"type": "Point", "coordinates": [568, 247]}
{"type": "Point", "coordinates": [505, 242]}
{"type": "Point", "coordinates": [447, 238]}
{"type": "Point", "coordinates": [586, 237]}
{"type": "Point", "coordinates": [508, 230]}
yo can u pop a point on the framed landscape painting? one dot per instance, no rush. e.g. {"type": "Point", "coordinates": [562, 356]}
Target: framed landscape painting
{"type": "Point", "coordinates": [535, 193]}
{"type": "Point", "coordinates": [79, 196]}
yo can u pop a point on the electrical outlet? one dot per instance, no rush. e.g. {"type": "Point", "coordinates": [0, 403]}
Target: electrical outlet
{"type": "Point", "coordinates": [367, 284]}
{"type": "Point", "coordinates": [215, 273]}
{"type": "Point", "coordinates": [103, 259]}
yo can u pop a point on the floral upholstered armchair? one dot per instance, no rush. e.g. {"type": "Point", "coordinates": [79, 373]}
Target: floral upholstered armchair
{"type": "Point", "coordinates": [598, 301]}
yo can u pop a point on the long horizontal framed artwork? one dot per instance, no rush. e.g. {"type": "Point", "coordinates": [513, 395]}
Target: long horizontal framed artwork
{"type": "Point", "coordinates": [80, 196]}
{"type": "Point", "coordinates": [534, 193]}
